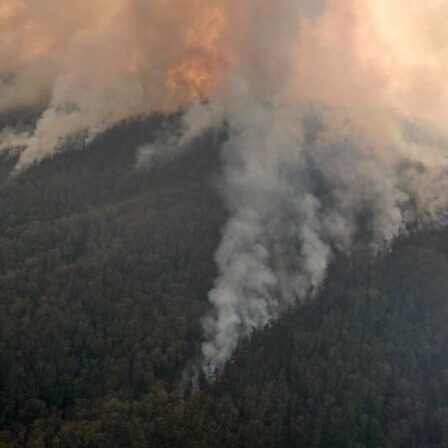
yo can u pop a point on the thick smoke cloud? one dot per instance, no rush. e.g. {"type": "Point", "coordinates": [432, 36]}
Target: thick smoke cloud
{"type": "Point", "coordinates": [335, 110]}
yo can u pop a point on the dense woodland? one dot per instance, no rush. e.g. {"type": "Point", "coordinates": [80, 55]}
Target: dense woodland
{"type": "Point", "coordinates": [104, 273]}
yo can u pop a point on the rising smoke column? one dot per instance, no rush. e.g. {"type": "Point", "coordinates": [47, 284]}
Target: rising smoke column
{"type": "Point", "coordinates": [335, 110]}
{"type": "Point", "coordinates": [335, 127]}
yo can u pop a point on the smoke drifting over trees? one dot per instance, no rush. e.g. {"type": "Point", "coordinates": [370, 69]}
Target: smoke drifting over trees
{"type": "Point", "coordinates": [333, 108]}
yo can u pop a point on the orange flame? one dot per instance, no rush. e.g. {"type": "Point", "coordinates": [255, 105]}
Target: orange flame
{"type": "Point", "coordinates": [379, 53]}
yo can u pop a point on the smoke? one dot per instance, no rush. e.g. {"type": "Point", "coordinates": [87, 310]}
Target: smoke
{"type": "Point", "coordinates": [195, 121]}
{"type": "Point", "coordinates": [335, 111]}
{"type": "Point", "coordinates": [89, 64]}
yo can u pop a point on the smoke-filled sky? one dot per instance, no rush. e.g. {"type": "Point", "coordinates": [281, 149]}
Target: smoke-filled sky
{"type": "Point", "coordinates": [334, 108]}
{"type": "Point", "coordinates": [91, 63]}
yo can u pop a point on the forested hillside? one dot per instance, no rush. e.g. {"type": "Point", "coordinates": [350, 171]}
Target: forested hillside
{"type": "Point", "coordinates": [104, 274]}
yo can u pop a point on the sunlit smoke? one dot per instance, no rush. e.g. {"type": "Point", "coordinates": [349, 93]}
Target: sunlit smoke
{"type": "Point", "coordinates": [335, 110]}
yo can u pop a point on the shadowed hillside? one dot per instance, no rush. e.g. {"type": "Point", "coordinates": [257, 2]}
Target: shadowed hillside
{"type": "Point", "coordinates": [104, 274]}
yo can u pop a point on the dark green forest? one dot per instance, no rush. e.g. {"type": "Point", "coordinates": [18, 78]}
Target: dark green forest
{"type": "Point", "coordinates": [104, 274]}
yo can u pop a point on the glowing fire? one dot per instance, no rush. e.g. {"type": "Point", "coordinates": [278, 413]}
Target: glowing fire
{"type": "Point", "coordinates": [191, 77]}
{"type": "Point", "coordinates": [379, 53]}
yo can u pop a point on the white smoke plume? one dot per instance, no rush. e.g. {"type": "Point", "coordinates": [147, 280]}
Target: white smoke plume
{"type": "Point", "coordinates": [335, 110]}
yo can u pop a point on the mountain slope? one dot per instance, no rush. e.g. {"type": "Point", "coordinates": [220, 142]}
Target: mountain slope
{"type": "Point", "coordinates": [104, 273]}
